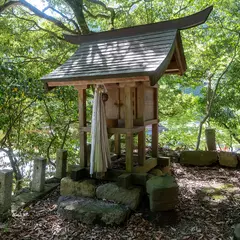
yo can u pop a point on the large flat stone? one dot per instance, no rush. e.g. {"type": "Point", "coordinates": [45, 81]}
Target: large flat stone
{"type": "Point", "coordinates": [228, 159]}
{"type": "Point", "coordinates": [90, 211]}
{"type": "Point", "coordinates": [27, 197]}
{"type": "Point", "coordinates": [84, 188]}
{"type": "Point", "coordinates": [198, 158]}
{"type": "Point", "coordinates": [112, 192]}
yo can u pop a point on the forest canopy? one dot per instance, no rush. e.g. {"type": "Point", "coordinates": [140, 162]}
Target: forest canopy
{"type": "Point", "coordinates": [33, 122]}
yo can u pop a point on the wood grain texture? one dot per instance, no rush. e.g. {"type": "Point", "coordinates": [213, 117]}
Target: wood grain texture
{"type": "Point", "coordinates": [82, 123]}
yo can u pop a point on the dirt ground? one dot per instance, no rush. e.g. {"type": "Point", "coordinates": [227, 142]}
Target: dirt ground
{"type": "Point", "coordinates": [209, 207]}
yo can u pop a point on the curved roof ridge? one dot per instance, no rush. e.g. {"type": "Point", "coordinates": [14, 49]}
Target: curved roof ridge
{"type": "Point", "coordinates": [179, 24]}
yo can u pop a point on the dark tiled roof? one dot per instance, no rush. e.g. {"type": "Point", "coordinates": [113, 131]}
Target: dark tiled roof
{"type": "Point", "coordinates": [138, 51]}
{"type": "Point", "coordinates": [137, 55]}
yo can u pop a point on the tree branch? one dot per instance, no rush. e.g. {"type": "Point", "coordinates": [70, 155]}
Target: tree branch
{"type": "Point", "coordinates": [9, 5]}
{"type": "Point", "coordinates": [214, 94]}
{"type": "Point", "coordinates": [35, 24]}
{"type": "Point", "coordinates": [77, 7]}
{"type": "Point", "coordinates": [64, 16]}
{"type": "Point", "coordinates": [110, 9]}
{"type": "Point", "coordinates": [37, 12]}
{"type": "Point", "coordinates": [96, 16]}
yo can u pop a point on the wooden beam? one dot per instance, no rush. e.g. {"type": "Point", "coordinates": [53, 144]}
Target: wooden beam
{"type": "Point", "coordinates": [141, 120]}
{"type": "Point", "coordinates": [155, 126]}
{"type": "Point", "coordinates": [79, 82]}
{"type": "Point", "coordinates": [141, 148]}
{"type": "Point", "coordinates": [82, 123]}
{"type": "Point", "coordinates": [148, 165]}
{"type": "Point", "coordinates": [117, 130]}
{"type": "Point", "coordinates": [128, 114]}
{"type": "Point", "coordinates": [141, 103]}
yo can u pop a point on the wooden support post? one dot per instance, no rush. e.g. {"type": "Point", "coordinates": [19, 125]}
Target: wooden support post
{"type": "Point", "coordinates": [117, 142]}
{"type": "Point", "coordinates": [141, 120]}
{"type": "Point", "coordinates": [128, 114]}
{"type": "Point", "coordinates": [155, 126]}
{"type": "Point", "coordinates": [82, 123]}
{"type": "Point", "coordinates": [141, 148]}
{"type": "Point", "coordinates": [141, 104]}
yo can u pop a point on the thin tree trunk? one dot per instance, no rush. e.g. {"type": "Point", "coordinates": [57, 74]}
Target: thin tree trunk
{"type": "Point", "coordinates": [213, 96]}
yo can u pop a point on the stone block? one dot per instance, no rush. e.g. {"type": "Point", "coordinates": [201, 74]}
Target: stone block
{"type": "Point", "coordinates": [90, 211]}
{"type": "Point", "coordinates": [38, 180]}
{"type": "Point", "coordinates": [156, 206]}
{"type": "Point", "coordinates": [61, 163]}
{"type": "Point", "coordinates": [162, 188]}
{"type": "Point", "coordinates": [156, 172]}
{"type": "Point", "coordinates": [125, 180]}
{"type": "Point", "coordinates": [112, 192]}
{"type": "Point", "coordinates": [210, 139]}
{"type": "Point", "coordinates": [237, 232]}
{"type": "Point", "coordinates": [163, 193]}
{"type": "Point", "coordinates": [84, 188]}
{"type": "Point", "coordinates": [77, 173]}
{"type": "Point", "coordinates": [163, 161]}
{"type": "Point", "coordinates": [228, 159]}
{"type": "Point", "coordinates": [6, 177]}
{"type": "Point", "coordinates": [139, 179]}
{"type": "Point", "coordinates": [198, 158]}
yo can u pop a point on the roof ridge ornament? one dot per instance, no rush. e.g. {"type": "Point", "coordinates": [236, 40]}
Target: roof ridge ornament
{"type": "Point", "coordinates": [179, 23]}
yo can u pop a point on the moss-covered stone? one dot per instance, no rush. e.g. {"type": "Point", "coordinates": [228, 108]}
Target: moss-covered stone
{"type": "Point", "coordinates": [228, 159]}
{"type": "Point", "coordinates": [237, 232]}
{"type": "Point", "coordinates": [85, 188]}
{"type": "Point", "coordinates": [163, 193]}
{"type": "Point", "coordinates": [198, 158]}
{"type": "Point", "coordinates": [89, 211]}
{"type": "Point", "coordinates": [156, 172]}
{"type": "Point", "coordinates": [112, 192]}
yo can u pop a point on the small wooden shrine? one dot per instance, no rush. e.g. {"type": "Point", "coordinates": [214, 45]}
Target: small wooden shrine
{"type": "Point", "coordinates": [128, 62]}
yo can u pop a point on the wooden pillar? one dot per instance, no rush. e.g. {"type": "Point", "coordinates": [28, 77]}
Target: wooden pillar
{"type": "Point", "coordinates": [128, 115]}
{"type": "Point", "coordinates": [117, 142]}
{"type": "Point", "coordinates": [82, 123]}
{"type": "Point", "coordinates": [141, 148]}
{"type": "Point", "coordinates": [141, 120]}
{"type": "Point", "coordinates": [155, 126]}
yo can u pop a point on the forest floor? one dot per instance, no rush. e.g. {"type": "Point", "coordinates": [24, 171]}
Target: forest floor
{"type": "Point", "coordinates": [209, 207]}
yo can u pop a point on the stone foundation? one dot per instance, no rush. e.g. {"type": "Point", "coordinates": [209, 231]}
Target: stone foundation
{"type": "Point", "coordinates": [198, 158]}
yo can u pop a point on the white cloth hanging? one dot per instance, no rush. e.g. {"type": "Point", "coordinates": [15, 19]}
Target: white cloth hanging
{"type": "Point", "coordinates": [100, 153]}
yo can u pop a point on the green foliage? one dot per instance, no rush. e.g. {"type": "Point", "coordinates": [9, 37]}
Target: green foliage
{"type": "Point", "coordinates": [33, 122]}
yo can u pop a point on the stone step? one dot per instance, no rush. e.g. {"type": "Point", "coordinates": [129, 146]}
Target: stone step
{"type": "Point", "coordinates": [91, 211]}
{"type": "Point", "coordinates": [112, 192]}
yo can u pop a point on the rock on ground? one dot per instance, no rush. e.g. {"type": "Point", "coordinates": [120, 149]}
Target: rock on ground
{"type": "Point", "coordinates": [228, 159]}
{"type": "Point", "coordinates": [198, 158]}
{"type": "Point", "coordinates": [85, 188]}
{"type": "Point", "coordinates": [89, 211]}
{"type": "Point", "coordinates": [112, 192]}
